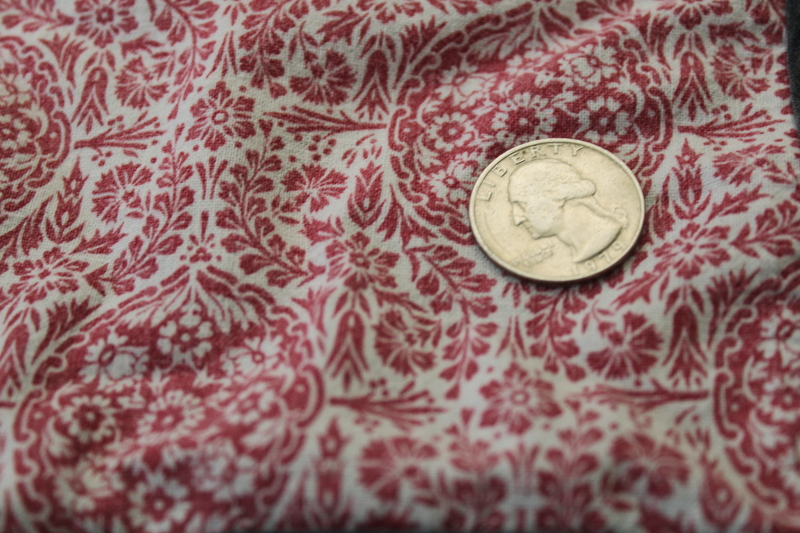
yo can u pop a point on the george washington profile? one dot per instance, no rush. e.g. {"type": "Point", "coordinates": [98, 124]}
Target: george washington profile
{"type": "Point", "coordinates": [550, 198]}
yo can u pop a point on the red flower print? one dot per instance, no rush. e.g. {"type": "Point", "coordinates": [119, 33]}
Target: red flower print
{"type": "Point", "coordinates": [474, 457]}
{"type": "Point", "coordinates": [397, 345]}
{"type": "Point", "coordinates": [220, 116]}
{"type": "Point", "coordinates": [773, 386]}
{"type": "Point", "coordinates": [781, 400]}
{"type": "Point", "coordinates": [224, 473]}
{"type": "Point", "coordinates": [186, 338]}
{"type": "Point", "coordinates": [630, 351]}
{"type": "Point", "coordinates": [718, 500]}
{"type": "Point", "coordinates": [113, 357]}
{"type": "Point", "coordinates": [593, 64]}
{"type": "Point", "coordinates": [523, 115]}
{"type": "Point", "coordinates": [451, 131]}
{"type": "Point", "coordinates": [33, 135]}
{"type": "Point", "coordinates": [695, 247]}
{"type": "Point", "coordinates": [82, 487]}
{"type": "Point", "coordinates": [470, 495]}
{"type": "Point", "coordinates": [316, 184]}
{"type": "Point", "coordinates": [19, 128]}
{"type": "Point", "coordinates": [360, 266]}
{"type": "Point", "coordinates": [158, 504]}
{"type": "Point", "coordinates": [103, 20]}
{"type": "Point", "coordinates": [780, 332]}
{"type": "Point", "coordinates": [120, 189]}
{"type": "Point", "coordinates": [136, 85]}
{"type": "Point", "coordinates": [386, 464]}
{"type": "Point", "coordinates": [662, 466]}
{"type": "Point", "coordinates": [387, 10]}
{"type": "Point", "coordinates": [691, 12]}
{"type": "Point", "coordinates": [54, 271]}
{"type": "Point", "coordinates": [264, 69]}
{"type": "Point", "coordinates": [171, 417]}
{"type": "Point", "coordinates": [777, 391]}
{"type": "Point", "coordinates": [454, 181]}
{"type": "Point", "coordinates": [460, 82]}
{"type": "Point", "coordinates": [328, 82]}
{"type": "Point", "coordinates": [87, 419]}
{"type": "Point", "coordinates": [570, 500]}
{"type": "Point", "coordinates": [606, 119]}
{"type": "Point", "coordinates": [738, 167]}
{"type": "Point", "coordinates": [518, 400]}
{"type": "Point", "coordinates": [739, 78]}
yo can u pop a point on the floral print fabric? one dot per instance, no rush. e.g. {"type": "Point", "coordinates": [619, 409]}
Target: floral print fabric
{"type": "Point", "coordinates": [238, 288]}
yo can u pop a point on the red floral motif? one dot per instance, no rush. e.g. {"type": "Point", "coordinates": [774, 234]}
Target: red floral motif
{"type": "Point", "coordinates": [202, 249]}
{"type": "Point", "coordinates": [83, 487]}
{"type": "Point", "coordinates": [696, 246]}
{"type": "Point", "coordinates": [316, 184]}
{"type": "Point", "coordinates": [691, 12]}
{"type": "Point", "coordinates": [570, 502]}
{"type": "Point", "coordinates": [217, 315]}
{"type": "Point", "coordinates": [387, 465]}
{"type": "Point", "coordinates": [451, 131]}
{"type": "Point", "coordinates": [474, 457]}
{"type": "Point", "coordinates": [21, 124]}
{"type": "Point", "coordinates": [738, 167]}
{"type": "Point", "coordinates": [226, 474]}
{"type": "Point", "coordinates": [259, 62]}
{"type": "Point", "coordinates": [605, 119]}
{"type": "Point", "coordinates": [187, 338]}
{"type": "Point", "coordinates": [55, 271]}
{"type": "Point", "coordinates": [445, 136]}
{"type": "Point", "coordinates": [328, 82]}
{"type": "Point", "coordinates": [121, 190]}
{"type": "Point", "coordinates": [719, 500]}
{"type": "Point", "coordinates": [104, 20]}
{"type": "Point", "coordinates": [593, 64]}
{"type": "Point", "coordinates": [34, 133]}
{"type": "Point", "coordinates": [170, 417]}
{"type": "Point", "coordinates": [137, 85]}
{"type": "Point", "coordinates": [359, 265]}
{"type": "Point", "coordinates": [387, 10]}
{"type": "Point", "coordinates": [632, 351]}
{"type": "Point", "coordinates": [737, 77]}
{"type": "Point", "coordinates": [398, 345]}
{"type": "Point", "coordinates": [113, 357]}
{"type": "Point", "coordinates": [220, 117]}
{"type": "Point", "coordinates": [780, 332]}
{"type": "Point", "coordinates": [453, 181]}
{"type": "Point", "coordinates": [779, 402]}
{"type": "Point", "coordinates": [518, 400]}
{"type": "Point", "coordinates": [87, 418]}
{"type": "Point", "coordinates": [478, 498]}
{"type": "Point", "coordinates": [523, 115]}
{"type": "Point", "coordinates": [773, 379]}
{"type": "Point", "coordinates": [158, 503]}
{"type": "Point", "coordinates": [663, 467]}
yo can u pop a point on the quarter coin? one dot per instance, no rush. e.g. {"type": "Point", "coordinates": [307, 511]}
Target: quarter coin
{"type": "Point", "coordinates": [557, 210]}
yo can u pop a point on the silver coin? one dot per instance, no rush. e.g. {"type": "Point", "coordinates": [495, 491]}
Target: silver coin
{"type": "Point", "coordinates": [557, 210]}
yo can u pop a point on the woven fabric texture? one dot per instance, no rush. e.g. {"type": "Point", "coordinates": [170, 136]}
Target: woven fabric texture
{"type": "Point", "coordinates": [239, 291]}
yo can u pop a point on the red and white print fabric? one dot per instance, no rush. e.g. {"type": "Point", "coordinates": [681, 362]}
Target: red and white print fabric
{"type": "Point", "coordinates": [238, 289]}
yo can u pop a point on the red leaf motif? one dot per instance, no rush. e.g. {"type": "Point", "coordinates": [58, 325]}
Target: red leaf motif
{"type": "Point", "coordinates": [428, 284]}
{"type": "Point", "coordinates": [168, 245]}
{"type": "Point", "coordinates": [685, 354]}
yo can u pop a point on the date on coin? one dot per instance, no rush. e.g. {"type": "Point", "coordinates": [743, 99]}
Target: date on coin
{"type": "Point", "coordinates": [557, 210]}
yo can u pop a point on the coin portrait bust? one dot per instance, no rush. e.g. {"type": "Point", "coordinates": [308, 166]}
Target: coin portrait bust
{"type": "Point", "coordinates": [551, 198]}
